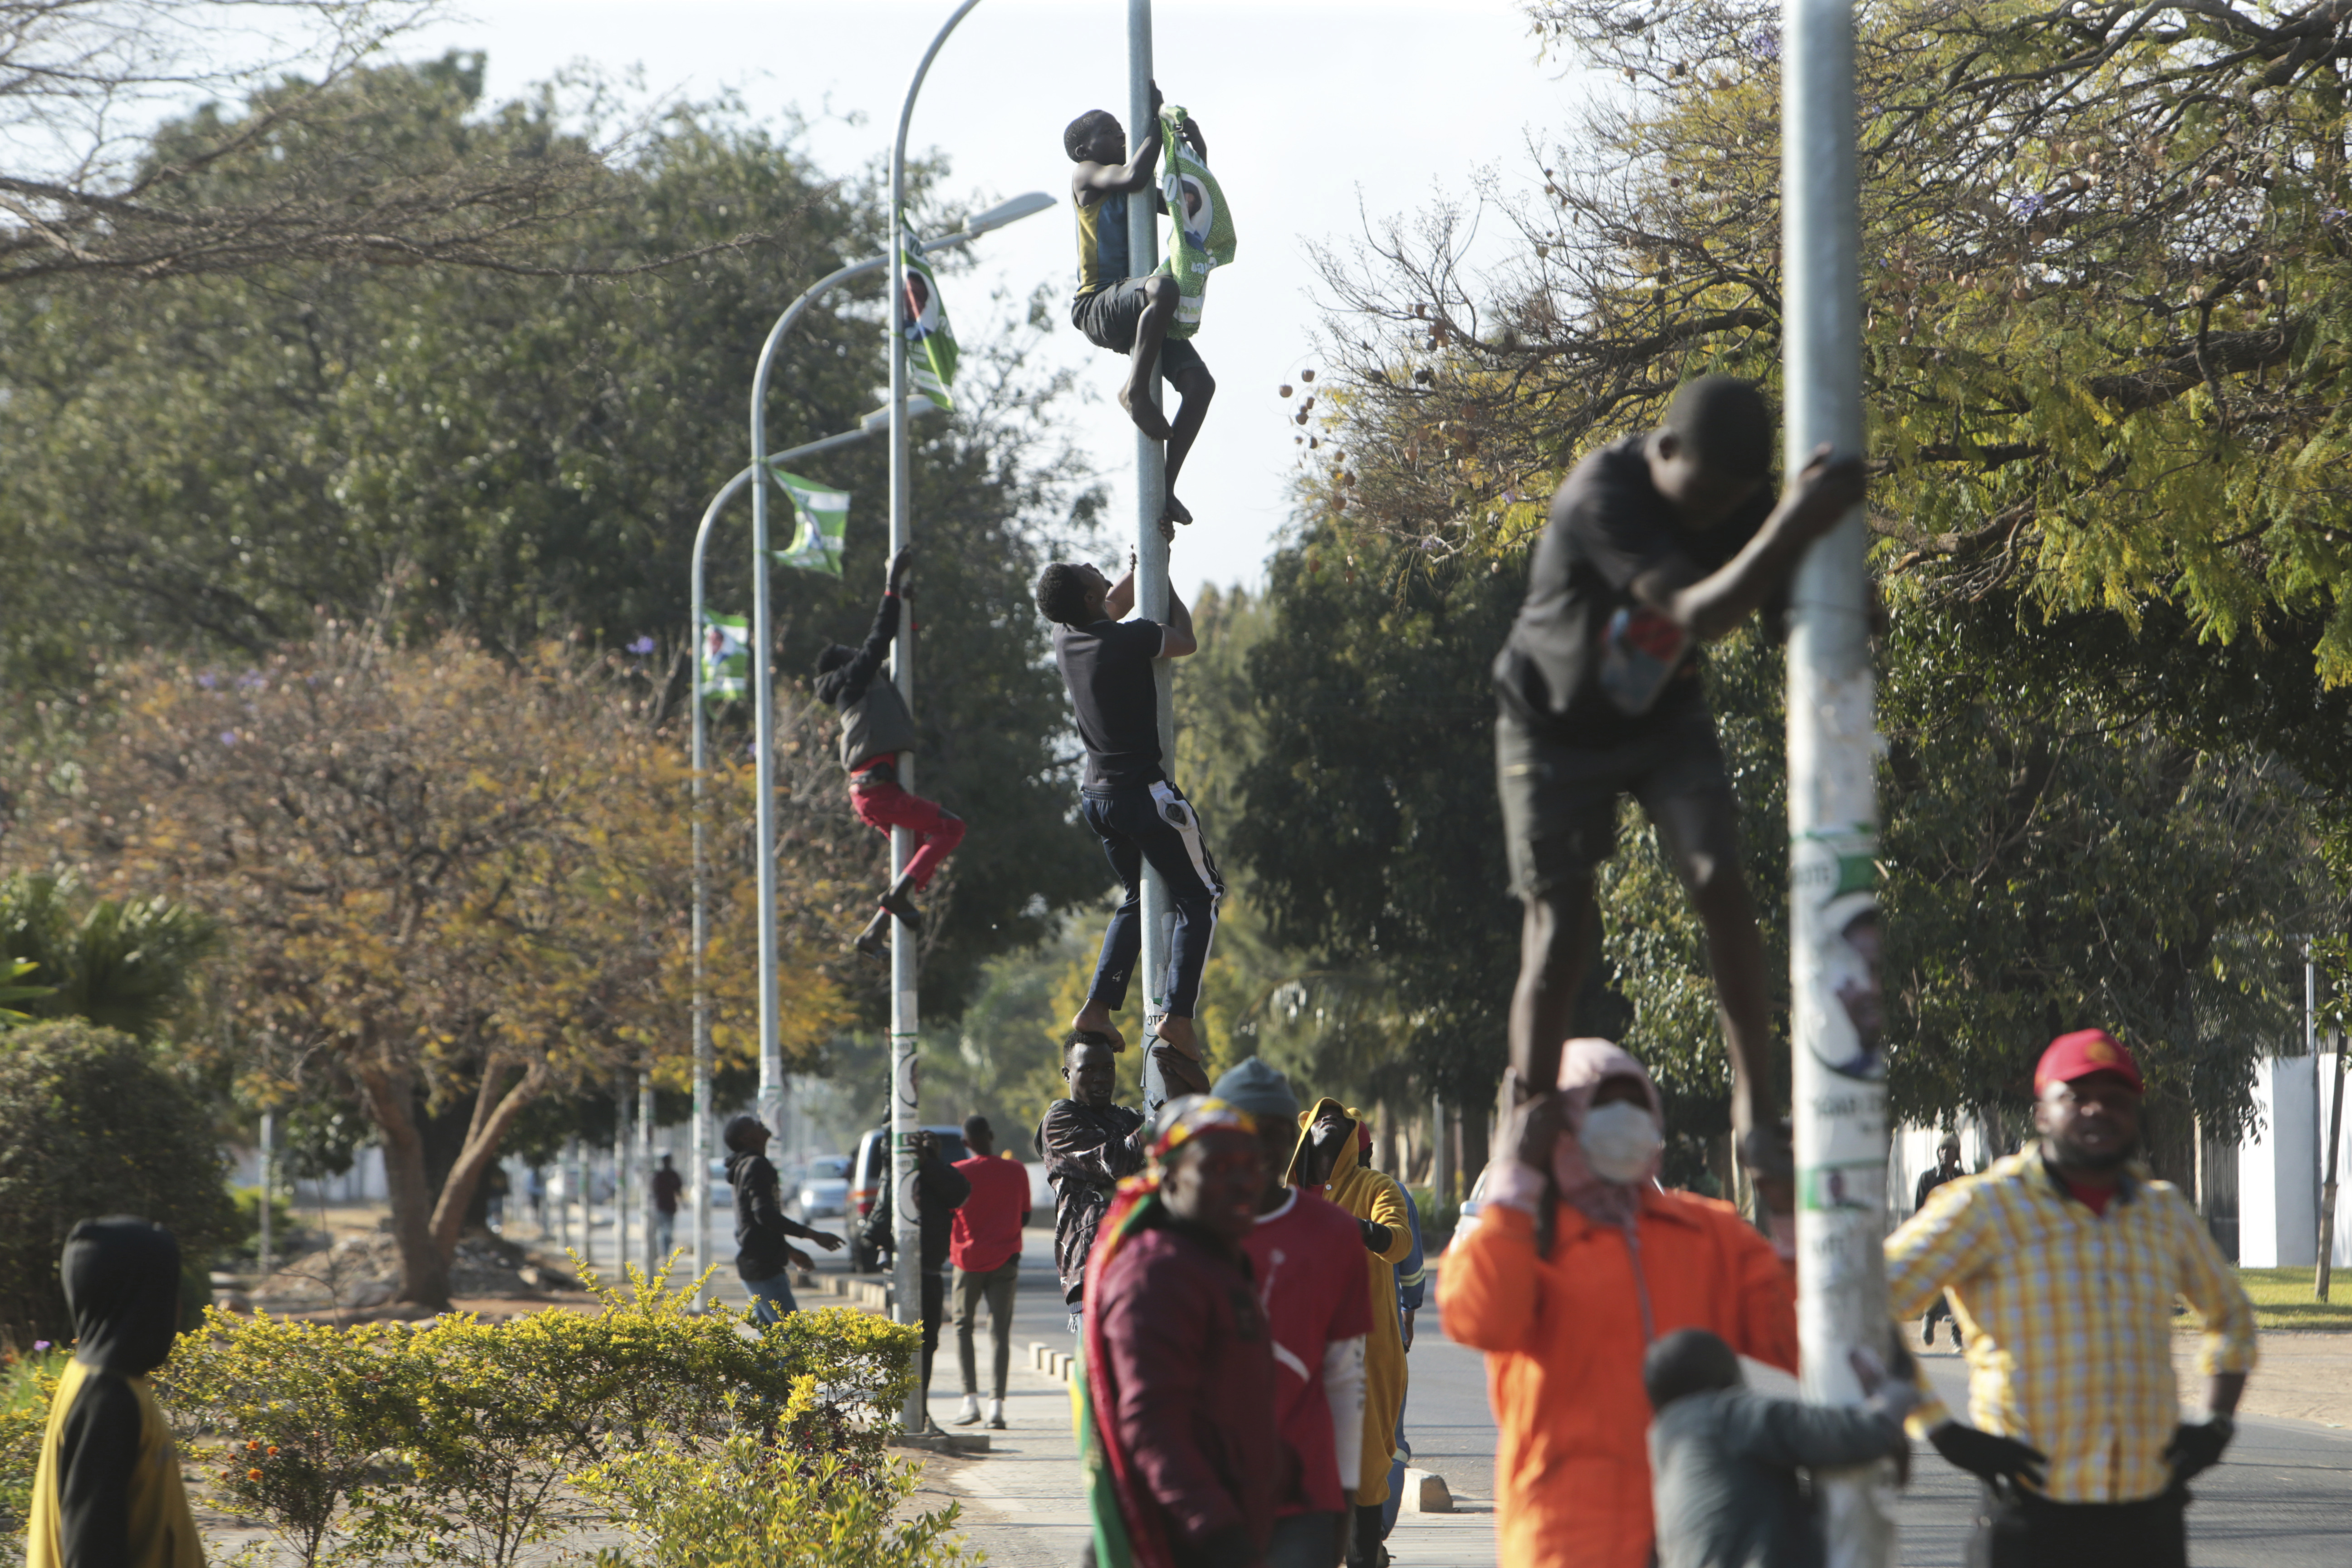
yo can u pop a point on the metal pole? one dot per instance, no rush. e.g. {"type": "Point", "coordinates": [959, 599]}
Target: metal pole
{"type": "Point", "coordinates": [587, 1205]}
{"type": "Point", "coordinates": [2327, 1249]}
{"type": "Point", "coordinates": [1840, 1116]}
{"type": "Point", "coordinates": [268, 1144]}
{"type": "Point", "coordinates": [621, 1175]}
{"type": "Point", "coordinates": [1150, 494]}
{"type": "Point", "coordinates": [645, 1165]}
{"type": "Point", "coordinates": [905, 1087]}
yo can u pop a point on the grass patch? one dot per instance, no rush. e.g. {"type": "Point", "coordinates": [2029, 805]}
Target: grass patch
{"type": "Point", "coordinates": [2282, 1299]}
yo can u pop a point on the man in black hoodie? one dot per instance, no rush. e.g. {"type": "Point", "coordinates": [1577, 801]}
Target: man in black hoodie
{"type": "Point", "coordinates": [763, 1251]}
{"type": "Point", "coordinates": [939, 1190]}
{"type": "Point", "coordinates": [874, 728]}
{"type": "Point", "coordinates": [107, 1491]}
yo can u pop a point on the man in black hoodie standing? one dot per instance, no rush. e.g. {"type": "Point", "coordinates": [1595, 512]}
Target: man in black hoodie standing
{"type": "Point", "coordinates": [874, 728]}
{"type": "Point", "coordinates": [939, 1190]}
{"type": "Point", "coordinates": [763, 1248]}
{"type": "Point", "coordinates": [107, 1491]}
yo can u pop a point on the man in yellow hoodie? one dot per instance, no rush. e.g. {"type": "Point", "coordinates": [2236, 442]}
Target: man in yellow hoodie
{"type": "Point", "coordinates": [107, 1493]}
{"type": "Point", "coordinates": [1332, 1145]}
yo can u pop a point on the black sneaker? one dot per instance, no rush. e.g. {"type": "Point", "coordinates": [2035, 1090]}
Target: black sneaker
{"type": "Point", "coordinates": [904, 907]}
{"type": "Point", "coordinates": [871, 944]}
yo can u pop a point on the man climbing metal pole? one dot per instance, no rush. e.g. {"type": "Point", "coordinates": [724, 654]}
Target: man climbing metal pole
{"type": "Point", "coordinates": [1123, 303]}
{"type": "Point", "coordinates": [1840, 1088]}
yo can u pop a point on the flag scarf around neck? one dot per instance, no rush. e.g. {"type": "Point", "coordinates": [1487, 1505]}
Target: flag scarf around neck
{"type": "Point", "coordinates": [724, 651]}
{"type": "Point", "coordinates": [1127, 1528]}
{"type": "Point", "coordinates": [1202, 236]}
{"type": "Point", "coordinates": [824, 516]}
{"type": "Point", "coordinates": [931, 341]}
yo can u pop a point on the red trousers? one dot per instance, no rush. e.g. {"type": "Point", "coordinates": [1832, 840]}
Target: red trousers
{"type": "Point", "coordinates": [886, 806]}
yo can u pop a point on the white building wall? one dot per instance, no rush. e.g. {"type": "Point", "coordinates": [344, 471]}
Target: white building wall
{"type": "Point", "coordinates": [2278, 1186]}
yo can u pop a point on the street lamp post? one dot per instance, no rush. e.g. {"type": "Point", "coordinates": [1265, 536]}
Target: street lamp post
{"type": "Point", "coordinates": [906, 1091]}
{"type": "Point", "coordinates": [771, 1059]}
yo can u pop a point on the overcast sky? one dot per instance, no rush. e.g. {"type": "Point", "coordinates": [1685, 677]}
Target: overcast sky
{"type": "Point", "coordinates": [1318, 112]}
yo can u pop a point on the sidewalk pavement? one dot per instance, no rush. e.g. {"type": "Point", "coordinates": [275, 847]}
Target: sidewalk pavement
{"type": "Point", "coordinates": [1022, 1504]}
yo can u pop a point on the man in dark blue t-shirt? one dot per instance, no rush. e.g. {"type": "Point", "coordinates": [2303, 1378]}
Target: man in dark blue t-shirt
{"type": "Point", "coordinates": [1658, 543]}
{"type": "Point", "coordinates": [1106, 663]}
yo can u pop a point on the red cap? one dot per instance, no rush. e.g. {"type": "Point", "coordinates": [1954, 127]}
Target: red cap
{"type": "Point", "coordinates": [2083, 1053]}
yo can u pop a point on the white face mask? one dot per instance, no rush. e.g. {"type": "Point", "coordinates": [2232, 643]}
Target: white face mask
{"type": "Point", "coordinates": [1618, 1140]}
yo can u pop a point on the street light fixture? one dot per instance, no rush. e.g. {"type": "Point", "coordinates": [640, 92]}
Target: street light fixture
{"type": "Point", "coordinates": [700, 1155]}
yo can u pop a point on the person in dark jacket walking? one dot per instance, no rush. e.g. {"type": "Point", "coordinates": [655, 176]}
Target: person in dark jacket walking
{"type": "Point", "coordinates": [106, 1490]}
{"type": "Point", "coordinates": [939, 1190]}
{"type": "Point", "coordinates": [762, 1231]}
{"type": "Point", "coordinates": [1089, 1144]}
{"type": "Point", "coordinates": [1946, 1168]}
{"type": "Point", "coordinates": [876, 728]}
{"type": "Point", "coordinates": [1725, 1459]}
{"type": "Point", "coordinates": [1176, 1422]}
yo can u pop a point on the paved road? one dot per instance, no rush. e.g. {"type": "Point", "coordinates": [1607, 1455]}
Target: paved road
{"type": "Point", "coordinates": [2283, 1500]}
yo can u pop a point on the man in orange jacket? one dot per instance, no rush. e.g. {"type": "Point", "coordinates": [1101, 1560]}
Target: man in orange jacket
{"type": "Point", "coordinates": [1577, 1261]}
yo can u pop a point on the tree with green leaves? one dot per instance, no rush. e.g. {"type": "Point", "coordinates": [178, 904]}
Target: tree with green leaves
{"type": "Point", "coordinates": [128, 965]}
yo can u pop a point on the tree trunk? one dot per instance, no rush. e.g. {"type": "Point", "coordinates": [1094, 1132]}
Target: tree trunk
{"type": "Point", "coordinates": [493, 1113]}
{"type": "Point", "coordinates": [423, 1267]}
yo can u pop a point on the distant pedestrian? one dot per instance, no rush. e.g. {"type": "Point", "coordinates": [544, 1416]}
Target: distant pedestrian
{"type": "Point", "coordinates": [939, 1190]}
{"type": "Point", "coordinates": [1577, 1261]}
{"type": "Point", "coordinates": [2063, 1261]}
{"type": "Point", "coordinates": [537, 1188]}
{"type": "Point", "coordinates": [496, 1185]}
{"type": "Point", "coordinates": [106, 1489]}
{"type": "Point", "coordinates": [1307, 1254]}
{"type": "Point", "coordinates": [1725, 1459]}
{"type": "Point", "coordinates": [763, 1251]}
{"type": "Point", "coordinates": [1329, 1159]}
{"type": "Point", "coordinates": [985, 1249]}
{"type": "Point", "coordinates": [667, 1185]}
{"type": "Point", "coordinates": [1089, 1146]}
{"type": "Point", "coordinates": [1176, 1416]}
{"type": "Point", "coordinates": [1946, 1169]}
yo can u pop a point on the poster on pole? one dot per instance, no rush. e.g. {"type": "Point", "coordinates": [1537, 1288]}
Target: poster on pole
{"type": "Point", "coordinates": [824, 518]}
{"type": "Point", "coordinates": [931, 341]}
{"type": "Point", "coordinates": [725, 652]}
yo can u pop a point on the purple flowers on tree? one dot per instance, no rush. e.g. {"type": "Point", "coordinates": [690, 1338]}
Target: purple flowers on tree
{"type": "Point", "coordinates": [1764, 43]}
{"type": "Point", "coordinates": [642, 646]}
{"type": "Point", "coordinates": [2027, 206]}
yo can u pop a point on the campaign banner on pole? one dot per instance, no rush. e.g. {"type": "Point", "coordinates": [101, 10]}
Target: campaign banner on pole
{"type": "Point", "coordinates": [725, 651]}
{"type": "Point", "coordinates": [824, 517]}
{"type": "Point", "coordinates": [930, 343]}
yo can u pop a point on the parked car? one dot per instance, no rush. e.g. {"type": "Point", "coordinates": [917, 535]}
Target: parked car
{"type": "Point", "coordinates": [869, 1170]}
{"type": "Point", "coordinates": [824, 1188]}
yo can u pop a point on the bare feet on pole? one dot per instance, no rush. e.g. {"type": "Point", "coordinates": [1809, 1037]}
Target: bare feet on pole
{"type": "Point", "coordinates": [1178, 1032]}
{"type": "Point", "coordinates": [1094, 1018]}
{"type": "Point", "coordinates": [1140, 408]}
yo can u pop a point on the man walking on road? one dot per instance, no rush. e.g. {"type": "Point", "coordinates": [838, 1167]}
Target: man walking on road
{"type": "Point", "coordinates": [1107, 664]}
{"type": "Point", "coordinates": [2063, 1261]}
{"type": "Point", "coordinates": [985, 1247]}
{"type": "Point", "coordinates": [667, 1185]}
{"type": "Point", "coordinates": [763, 1250]}
{"type": "Point", "coordinates": [1306, 1254]}
{"type": "Point", "coordinates": [939, 1190]}
{"type": "Point", "coordinates": [1088, 1145]}
{"type": "Point", "coordinates": [1946, 1168]}
{"type": "Point", "coordinates": [1177, 1424]}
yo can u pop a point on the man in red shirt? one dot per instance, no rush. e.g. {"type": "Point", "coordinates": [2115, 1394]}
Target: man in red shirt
{"type": "Point", "coordinates": [1306, 1254]}
{"type": "Point", "coordinates": [985, 1247]}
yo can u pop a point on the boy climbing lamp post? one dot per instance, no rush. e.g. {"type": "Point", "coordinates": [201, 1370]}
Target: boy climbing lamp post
{"type": "Point", "coordinates": [1840, 1088]}
{"type": "Point", "coordinates": [1150, 548]}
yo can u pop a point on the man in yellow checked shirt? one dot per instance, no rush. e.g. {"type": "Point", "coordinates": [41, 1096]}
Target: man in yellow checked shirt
{"type": "Point", "coordinates": [2063, 1260]}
